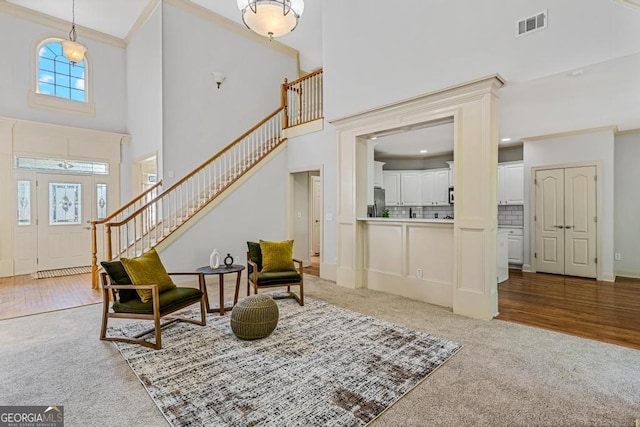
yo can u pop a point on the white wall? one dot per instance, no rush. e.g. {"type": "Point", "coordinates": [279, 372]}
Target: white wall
{"type": "Point", "coordinates": [144, 100]}
{"type": "Point", "coordinates": [375, 54]}
{"type": "Point", "coordinates": [200, 119]}
{"type": "Point", "coordinates": [318, 151]}
{"type": "Point", "coordinates": [627, 204]}
{"type": "Point", "coordinates": [588, 147]}
{"type": "Point", "coordinates": [107, 63]}
{"type": "Point", "coordinates": [257, 210]}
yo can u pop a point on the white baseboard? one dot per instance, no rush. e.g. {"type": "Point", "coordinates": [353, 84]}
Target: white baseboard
{"type": "Point", "coordinates": [608, 277]}
{"type": "Point", "coordinates": [628, 273]}
{"type": "Point", "coordinates": [328, 271]}
{"type": "Point", "coordinates": [527, 268]}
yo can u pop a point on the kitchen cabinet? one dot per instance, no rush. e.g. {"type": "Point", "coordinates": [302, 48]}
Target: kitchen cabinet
{"type": "Point", "coordinates": [511, 183]}
{"type": "Point", "coordinates": [402, 188]}
{"type": "Point", "coordinates": [435, 187]}
{"type": "Point", "coordinates": [377, 174]}
{"type": "Point", "coordinates": [515, 243]}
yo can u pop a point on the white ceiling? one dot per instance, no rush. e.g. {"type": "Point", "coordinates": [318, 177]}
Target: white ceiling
{"type": "Point", "coordinates": [435, 139]}
{"type": "Point", "coordinates": [116, 17]}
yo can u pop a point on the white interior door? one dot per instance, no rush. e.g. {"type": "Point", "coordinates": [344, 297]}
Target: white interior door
{"type": "Point", "coordinates": [580, 221]}
{"type": "Point", "coordinates": [566, 237]}
{"type": "Point", "coordinates": [315, 213]}
{"type": "Point", "coordinates": [65, 204]}
{"type": "Point", "coordinates": [550, 221]}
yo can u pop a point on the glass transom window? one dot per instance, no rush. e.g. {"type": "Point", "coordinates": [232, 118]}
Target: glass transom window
{"type": "Point", "coordinates": [59, 77]}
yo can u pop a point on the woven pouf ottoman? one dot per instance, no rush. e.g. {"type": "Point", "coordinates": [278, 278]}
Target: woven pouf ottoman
{"type": "Point", "coordinates": [254, 317]}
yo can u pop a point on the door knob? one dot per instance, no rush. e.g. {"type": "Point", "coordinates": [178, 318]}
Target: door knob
{"type": "Point", "coordinates": [569, 226]}
{"type": "Point", "coordinates": [559, 226]}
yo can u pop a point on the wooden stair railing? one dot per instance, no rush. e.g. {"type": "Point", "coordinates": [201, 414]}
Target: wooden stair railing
{"type": "Point", "coordinates": [123, 212]}
{"type": "Point", "coordinates": [302, 99]}
{"type": "Point", "coordinates": [152, 217]}
{"type": "Point", "coordinates": [159, 217]}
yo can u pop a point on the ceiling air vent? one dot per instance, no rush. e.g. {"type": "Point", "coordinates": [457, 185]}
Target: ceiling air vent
{"type": "Point", "coordinates": [531, 24]}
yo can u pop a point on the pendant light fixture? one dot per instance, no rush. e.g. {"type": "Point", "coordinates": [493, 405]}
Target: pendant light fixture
{"type": "Point", "coordinates": [73, 50]}
{"type": "Point", "coordinates": [271, 18]}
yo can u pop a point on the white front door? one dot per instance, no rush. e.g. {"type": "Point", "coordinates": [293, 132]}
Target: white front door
{"type": "Point", "coordinates": [65, 205]}
{"type": "Point", "coordinates": [566, 221]}
{"type": "Point", "coordinates": [315, 210]}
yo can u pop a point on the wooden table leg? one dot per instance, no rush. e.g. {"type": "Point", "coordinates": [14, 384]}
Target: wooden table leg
{"type": "Point", "coordinates": [206, 295]}
{"type": "Point", "coordinates": [235, 298]}
{"type": "Point", "coordinates": [221, 294]}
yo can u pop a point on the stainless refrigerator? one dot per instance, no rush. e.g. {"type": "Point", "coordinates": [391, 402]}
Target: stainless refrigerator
{"type": "Point", "coordinates": [378, 201]}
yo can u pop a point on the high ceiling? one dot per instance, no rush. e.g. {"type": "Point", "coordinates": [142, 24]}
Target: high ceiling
{"type": "Point", "coordinates": [117, 17]}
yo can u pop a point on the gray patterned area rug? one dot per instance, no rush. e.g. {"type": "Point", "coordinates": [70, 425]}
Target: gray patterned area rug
{"type": "Point", "coordinates": [322, 366]}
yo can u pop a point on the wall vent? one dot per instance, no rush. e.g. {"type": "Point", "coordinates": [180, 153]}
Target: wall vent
{"type": "Point", "coordinates": [531, 24]}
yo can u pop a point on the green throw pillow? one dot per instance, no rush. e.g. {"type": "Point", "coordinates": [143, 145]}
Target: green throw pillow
{"type": "Point", "coordinates": [255, 254]}
{"type": "Point", "coordinates": [277, 256]}
{"type": "Point", "coordinates": [119, 276]}
{"type": "Point", "coordinates": [148, 270]}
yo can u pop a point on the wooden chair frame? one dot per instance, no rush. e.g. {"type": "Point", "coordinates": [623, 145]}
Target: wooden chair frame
{"type": "Point", "coordinates": [155, 316]}
{"type": "Point", "coordinates": [252, 280]}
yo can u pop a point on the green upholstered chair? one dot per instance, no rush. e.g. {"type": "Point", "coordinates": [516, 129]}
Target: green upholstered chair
{"type": "Point", "coordinates": [259, 279]}
{"type": "Point", "coordinates": [122, 301]}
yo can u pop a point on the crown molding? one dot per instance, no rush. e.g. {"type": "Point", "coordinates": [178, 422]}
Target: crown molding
{"type": "Point", "coordinates": [228, 24]}
{"type": "Point", "coordinates": [613, 129]}
{"type": "Point", "coordinates": [633, 3]}
{"type": "Point", "coordinates": [57, 23]}
{"type": "Point", "coordinates": [142, 19]}
{"type": "Point", "coordinates": [628, 132]}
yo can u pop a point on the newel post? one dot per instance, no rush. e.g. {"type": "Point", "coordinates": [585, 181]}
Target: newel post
{"type": "Point", "coordinates": [283, 102]}
{"type": "Point", "coordinates": [94, 256]}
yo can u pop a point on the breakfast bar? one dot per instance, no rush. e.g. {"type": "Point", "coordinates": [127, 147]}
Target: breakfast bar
{"type": "Point", "coordinates": [412, 257]}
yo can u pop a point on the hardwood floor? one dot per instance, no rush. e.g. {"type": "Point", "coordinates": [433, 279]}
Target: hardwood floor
{"type": "Point", "coordinates": [602, 311]}
{"type": "Point", "coordinates": [314, 268]}
{"type": "Point", "coordinates": [22, 295]}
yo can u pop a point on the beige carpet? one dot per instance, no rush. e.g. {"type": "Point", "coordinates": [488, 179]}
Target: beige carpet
{"type": "Point", "coordinates": [506, 374]}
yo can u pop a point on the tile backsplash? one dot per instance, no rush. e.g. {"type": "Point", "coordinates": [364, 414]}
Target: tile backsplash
{"type": "Point", "coordinates": [511, 215]}
{"type": "Point", "coordinates": [425, 212]}
{"type": "Point", "coordinates": [507, 215]}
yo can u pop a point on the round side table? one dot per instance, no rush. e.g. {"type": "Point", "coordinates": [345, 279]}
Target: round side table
{"type": "Point", "coordinates": [221, 271]}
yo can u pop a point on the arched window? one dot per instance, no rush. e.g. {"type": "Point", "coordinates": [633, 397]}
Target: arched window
{"type": "Point", "coordinates": [59, 77]}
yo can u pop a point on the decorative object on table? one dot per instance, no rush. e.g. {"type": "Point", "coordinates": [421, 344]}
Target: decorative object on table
{"type": "Point", "coordinates": [254, 317]}
{"type": "Point", "coordinates": [299, 367]}
{"type": "Point", "coordinates": [220, 272]}
{"type": "Point", "coordinates": [214, 259]}
{"type": "Point", "coordinates": [385, 213]}
{"type": "Point", "coordinates": [141, 288]}
{"type": "Point", "coordinates": [271, 264]}
{"type": "Point", "coordinates": [228, 261]}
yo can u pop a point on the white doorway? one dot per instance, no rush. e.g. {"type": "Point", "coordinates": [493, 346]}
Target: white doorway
{"type": "Point", "coordinates": [316, 214]}
{"type": "Point", "coordinates": [305, 217]}
{"type": "Point", "coordinates": [566, 221]}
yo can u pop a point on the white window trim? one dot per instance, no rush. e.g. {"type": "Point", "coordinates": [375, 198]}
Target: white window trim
{"type": "Point", "coordinates": [54, 103]}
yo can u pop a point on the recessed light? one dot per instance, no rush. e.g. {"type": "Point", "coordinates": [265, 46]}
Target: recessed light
{"type": "Point", "coordinates": [505, 139]}
{"type": "Point", "coordinates": [373, 138]}
{"type": "Point", "coordinates": [423, 151]}
{"type": "Point", "coordinates": [576, 73]}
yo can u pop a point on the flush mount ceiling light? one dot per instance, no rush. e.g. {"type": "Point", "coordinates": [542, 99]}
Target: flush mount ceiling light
{"type": "Point", "coordinates": [271, 18]}
{"type": "Point", "coordinates": [73, 50]}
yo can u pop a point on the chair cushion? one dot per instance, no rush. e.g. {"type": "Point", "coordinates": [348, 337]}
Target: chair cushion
{"type": "Point", "coordinates": [255, 255]}
{"type": "Point", "coordinates": [148, 270]}
{"type": "Point", "coordinates": [277, 256]}
{"type": "Point", "coordinates": [168, 300]}
{"type": "Point", "coordinates": [119, 276]}
{"type": "Point", "coordinates": [278, 277]}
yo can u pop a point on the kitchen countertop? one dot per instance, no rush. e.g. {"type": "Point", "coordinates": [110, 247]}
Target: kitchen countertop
{"type": "Point", "coordinates": [424, 220]}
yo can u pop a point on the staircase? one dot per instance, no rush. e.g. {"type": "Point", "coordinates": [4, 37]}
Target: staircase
{"type": "Point", "coordinates": [157, 213]}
